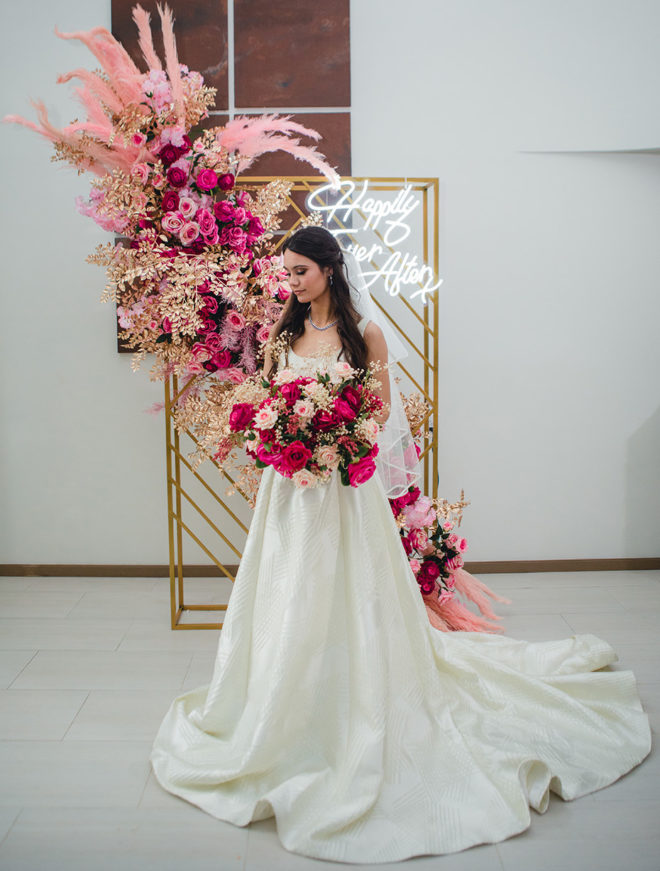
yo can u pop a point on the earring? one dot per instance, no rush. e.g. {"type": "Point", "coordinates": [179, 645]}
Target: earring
{"type": "Point", "coordinates": [331, 279]}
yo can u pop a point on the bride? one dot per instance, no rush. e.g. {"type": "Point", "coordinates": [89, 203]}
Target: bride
{"type": "Point", "coordinates": [336, 706]}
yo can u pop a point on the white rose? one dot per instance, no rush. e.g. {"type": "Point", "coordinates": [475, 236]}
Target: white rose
{"type": "Point", "coordinates": [328, 456]}
{"type": "Point", "coordinates": [285, 375]}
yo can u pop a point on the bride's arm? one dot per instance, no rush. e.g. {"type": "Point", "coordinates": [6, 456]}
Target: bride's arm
{"type": "Point", "coordinates": [377, 353]}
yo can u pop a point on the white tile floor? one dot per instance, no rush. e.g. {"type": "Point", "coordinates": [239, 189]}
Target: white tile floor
{"type": "Point", "coordinates": [89, 666]}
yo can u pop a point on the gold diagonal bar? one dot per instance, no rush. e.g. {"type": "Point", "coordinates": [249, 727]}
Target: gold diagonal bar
{"type": "Point", "coordinates": [217, 465]}
{"type": "Point", "coordinates": [178, 395]}
{"type": "Point", "coordinates": [213, 493]}
{"type": "Point", "coordinates": [200, 511]}
{"type": "Point", "coordinates": [414, 381]}
{"type": "Point", "coordinates": [180, 523]}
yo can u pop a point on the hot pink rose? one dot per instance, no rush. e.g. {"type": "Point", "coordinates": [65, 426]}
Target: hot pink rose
{"type": "Point", "coordinates": [206, 221]}
{"type": "Point", "coordinates": [241, 417]}
{"type": "Point", "coordinates": [295, 457]}
{"type": "Point", "coordinates": [240, 215]}
{"type": "Point", "coordinates": [325, 420]}
{"type": "Point", "coordinates": [206, 180]}
{"type": "Point", "coordinates": [213, 342]}
{"type": "Point", "coordinates": [224, 211]}
{"type": "Point", "coordinates": [361, 471]}
{"type": "Point", "coordinates": [255, 227]}
{"type": "Point", "coordinates": [291, 392]}
{"type": "Point", "coordinates": [343, 410]}
{"type": "Point", "coordinates": [236, 239]}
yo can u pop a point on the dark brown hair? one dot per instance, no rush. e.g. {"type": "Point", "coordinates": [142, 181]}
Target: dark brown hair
{"type": "Point", "coordinates": [319, 245]}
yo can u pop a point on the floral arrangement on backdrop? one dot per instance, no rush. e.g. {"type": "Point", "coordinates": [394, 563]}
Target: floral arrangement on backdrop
{"type": "Point", "coordinates": [195, 280]}
{"type": "Point", "coordinates": [198, 284]}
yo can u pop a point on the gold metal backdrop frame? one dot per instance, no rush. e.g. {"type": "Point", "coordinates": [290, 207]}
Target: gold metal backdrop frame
{"type": "Point", "coordinates": [179, 470]}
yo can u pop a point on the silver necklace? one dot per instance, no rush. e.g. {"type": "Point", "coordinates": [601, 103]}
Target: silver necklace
{"type": "Point", "coordinates": [326, 327]}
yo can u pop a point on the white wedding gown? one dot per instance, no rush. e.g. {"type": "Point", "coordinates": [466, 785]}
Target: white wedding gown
{"type": "Point", "coordinates": [370, 735]}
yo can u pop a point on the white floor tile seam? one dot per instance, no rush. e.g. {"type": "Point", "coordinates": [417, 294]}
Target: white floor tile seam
{"type": "Point", "coordinates": [17, 676]}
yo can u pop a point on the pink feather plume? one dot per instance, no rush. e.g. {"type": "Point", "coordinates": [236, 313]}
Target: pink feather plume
{"type": "Point", "coordinates": [172, 59]}
{"type": "Point", "coordinates": [142, 20]}
{"type": "Point", "coordinates": [454, 616]}
{"type": "Point", "coordinates": [251, 137]}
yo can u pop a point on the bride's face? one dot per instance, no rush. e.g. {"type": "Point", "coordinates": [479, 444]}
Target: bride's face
{"type": "Point", "coordinates": [307, 279]}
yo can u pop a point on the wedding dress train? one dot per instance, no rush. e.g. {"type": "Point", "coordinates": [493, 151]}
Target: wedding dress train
{"type": "Point", "coordinates": [370, 735]}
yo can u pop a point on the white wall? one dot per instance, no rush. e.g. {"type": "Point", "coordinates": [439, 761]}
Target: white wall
{"type": "Point", "coordinates": [549, 306]}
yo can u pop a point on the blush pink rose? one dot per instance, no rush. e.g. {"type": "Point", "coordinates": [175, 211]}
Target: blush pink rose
{"type": "Point", "coordinates": [172, 222]}
{"type": "Point", "coordinates": [187, 207]}
{"type": "Point", "coordinates": [140, 171]}
{"type": "Point", "coordinates": [189, 232]}
{"type": "Point", "coordinates": [263, 334]}
{"type": "Point", "coordinates": [236, 376]}
{"type": "Point", "coordinates": [235, 320]}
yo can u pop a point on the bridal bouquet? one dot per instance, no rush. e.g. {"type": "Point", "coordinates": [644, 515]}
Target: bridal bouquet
{"type": "Point", "coordinates": [307, 427]}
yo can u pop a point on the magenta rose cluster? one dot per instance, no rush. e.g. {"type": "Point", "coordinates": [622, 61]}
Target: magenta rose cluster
{"type": "Point", "coordinates": [308, 427]}
{"type": "Point", "coordinates": [434, 550]}
{"type": "Point", "coordinates": [195, 211]}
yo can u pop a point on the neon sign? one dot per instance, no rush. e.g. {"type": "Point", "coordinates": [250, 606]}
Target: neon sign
{"type": "Point", "coordinates": [387, 216]}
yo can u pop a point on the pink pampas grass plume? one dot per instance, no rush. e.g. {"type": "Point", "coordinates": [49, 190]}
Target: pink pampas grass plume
{"type": "Point", "coordinates": [172, 60]}
{"type": "Point", "coordinates": [142, 19]}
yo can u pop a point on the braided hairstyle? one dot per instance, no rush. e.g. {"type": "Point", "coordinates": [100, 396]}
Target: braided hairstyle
{"type": "Point", "coordinates": [319, 245]}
